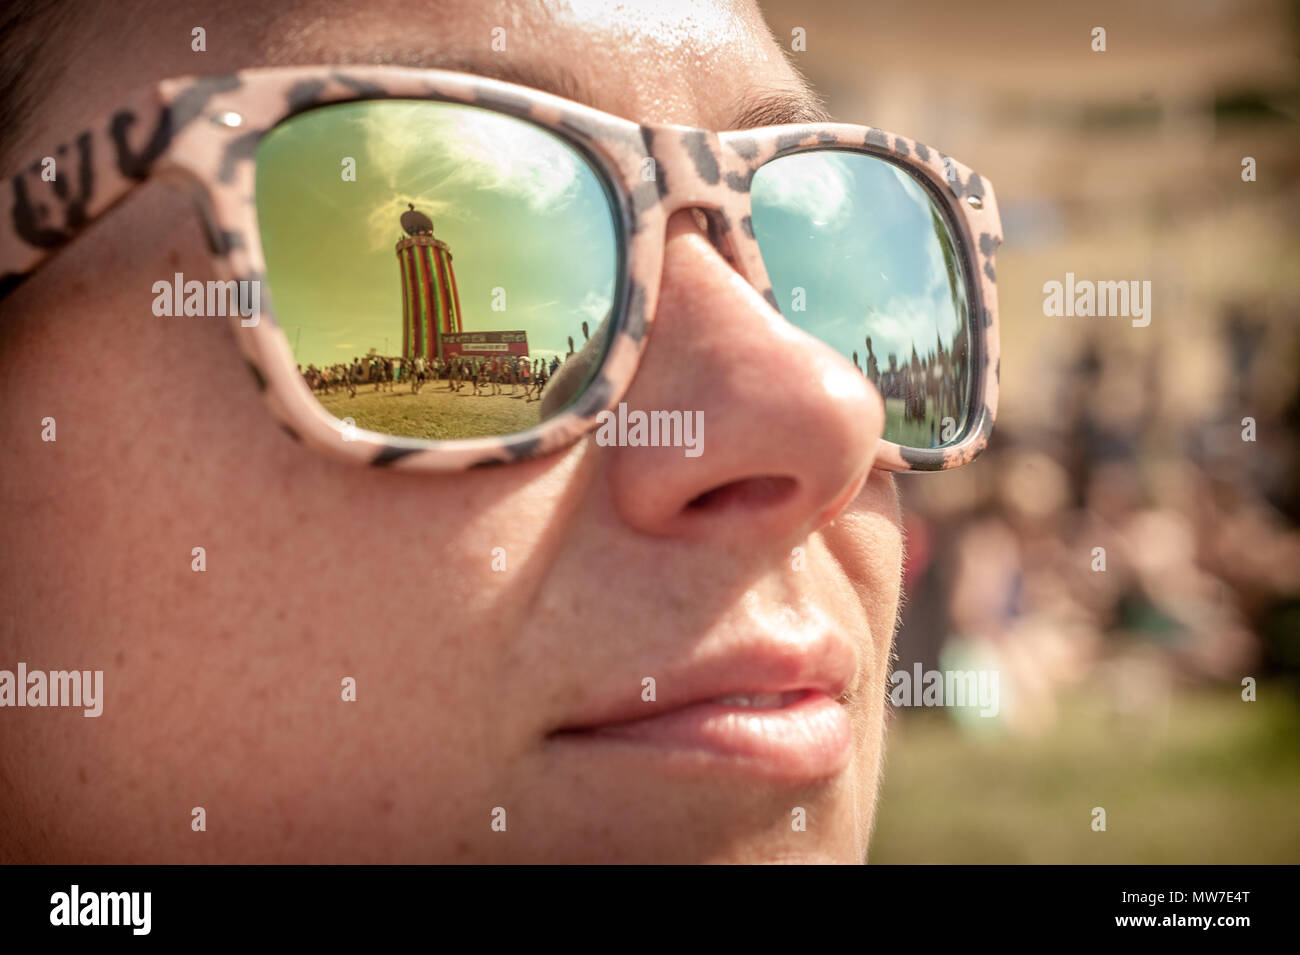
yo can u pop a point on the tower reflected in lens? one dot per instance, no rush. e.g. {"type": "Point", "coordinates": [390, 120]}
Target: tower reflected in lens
{"type": "Point", "coordinates": [464, 333]}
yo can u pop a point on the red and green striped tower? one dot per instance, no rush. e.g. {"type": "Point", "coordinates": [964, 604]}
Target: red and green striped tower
{"type": "Point", "coordinates": [430, 301]}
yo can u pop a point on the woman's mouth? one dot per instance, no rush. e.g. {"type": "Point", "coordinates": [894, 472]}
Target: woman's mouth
{"type": "Point", "coordinates": [792, 736]}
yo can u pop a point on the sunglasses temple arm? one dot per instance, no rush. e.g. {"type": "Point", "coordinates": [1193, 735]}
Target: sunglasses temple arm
{"type": "Point", "coordinates": [55, 197]}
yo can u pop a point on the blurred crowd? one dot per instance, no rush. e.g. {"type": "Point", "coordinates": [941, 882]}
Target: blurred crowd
{"type": "Point", "coordinates": [1114, 545]}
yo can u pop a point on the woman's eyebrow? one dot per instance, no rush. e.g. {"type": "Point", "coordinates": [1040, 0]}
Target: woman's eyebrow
{"type": "Point", "coordinates": [755, 107]}
{"type": "Point", "coordinates": [778, 107]}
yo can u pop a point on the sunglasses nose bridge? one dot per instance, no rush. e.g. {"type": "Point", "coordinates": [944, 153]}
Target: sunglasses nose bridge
{"type": "Point", "coordinates": [703, 175]}
{"type": "Point", "coordinates": [691, 164]}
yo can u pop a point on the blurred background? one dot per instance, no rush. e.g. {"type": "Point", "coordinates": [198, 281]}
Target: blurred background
{"type": "Point", "coordinates": [1120, 688]}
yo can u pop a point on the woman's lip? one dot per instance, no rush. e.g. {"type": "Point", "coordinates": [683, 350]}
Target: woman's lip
{"type": "Point", "coordinates": [807, 740]}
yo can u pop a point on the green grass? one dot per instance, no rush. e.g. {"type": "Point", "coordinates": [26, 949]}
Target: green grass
{"type": "Point", "coordinates": [914, 434]}
{"type": "Point", "coordinates": [1217, 782]}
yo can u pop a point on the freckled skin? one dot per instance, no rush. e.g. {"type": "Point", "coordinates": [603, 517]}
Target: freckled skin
{"type": "Point", "coordinates": [223, 688]}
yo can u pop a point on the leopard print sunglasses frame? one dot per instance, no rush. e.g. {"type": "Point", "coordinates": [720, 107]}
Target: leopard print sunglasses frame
{"type": "Point", "coordinates": [204, 133]}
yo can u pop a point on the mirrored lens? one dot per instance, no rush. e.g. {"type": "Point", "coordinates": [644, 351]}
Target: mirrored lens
{"type": "Point", "coordinates": [435, 266]}
{"type": "Point", "coordinates": [860, 256]}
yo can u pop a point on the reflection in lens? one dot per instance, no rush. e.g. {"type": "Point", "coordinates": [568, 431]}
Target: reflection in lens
{"type": "Point", "coordinates": [860, 257]}
{"type": "Point", "coordinates": [434, 266]}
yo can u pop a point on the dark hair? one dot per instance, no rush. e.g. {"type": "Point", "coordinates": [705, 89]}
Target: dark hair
{"type": "Point", "coordinates": [28, 29]}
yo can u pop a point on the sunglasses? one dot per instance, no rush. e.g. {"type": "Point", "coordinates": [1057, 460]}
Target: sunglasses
{"type": "Point", "coordinates": [435, 271]}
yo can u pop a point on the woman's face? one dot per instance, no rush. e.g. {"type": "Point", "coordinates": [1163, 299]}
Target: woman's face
{"type": "Point", "coordinates": [768, 564]}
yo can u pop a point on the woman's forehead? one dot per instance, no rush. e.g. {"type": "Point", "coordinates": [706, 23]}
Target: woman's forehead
{"type": "Point", "coordinates": [668, 61]}
{"type": "Point", "coordinates": [711, 65]}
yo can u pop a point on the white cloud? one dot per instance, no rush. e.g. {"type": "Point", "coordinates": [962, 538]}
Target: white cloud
{"type": "Point", "coordinates": [594, 306]}
{"type": "Point", "coordinates": [816, 186]}
{"type": "Point", "coordinates": [468, 149]}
